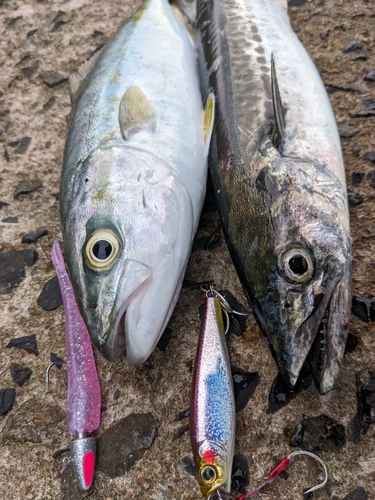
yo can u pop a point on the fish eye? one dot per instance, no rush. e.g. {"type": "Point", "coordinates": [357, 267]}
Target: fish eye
{"type": "Point", "coordinates": [101, 249]}
{"type": "Point", "coordinates": [297, 264]}
{"type": "Point", "coordinates": [208, 474]}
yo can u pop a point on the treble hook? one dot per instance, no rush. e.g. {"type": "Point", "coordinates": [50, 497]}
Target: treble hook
{"type": "Point", "coordinates": [48, 369]}
{"type": "Point", "coordinates": [283, 466]}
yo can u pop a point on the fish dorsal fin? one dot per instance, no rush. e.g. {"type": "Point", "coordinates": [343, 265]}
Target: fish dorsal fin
{"type": "Point", "coordinates": [208, 119]}
{"type": "Point", "coordinates": [136, 112]}
{"type": "Point", "coordinates": [77, 78]}
{"type": "Point", "coordinates": [279, 109]}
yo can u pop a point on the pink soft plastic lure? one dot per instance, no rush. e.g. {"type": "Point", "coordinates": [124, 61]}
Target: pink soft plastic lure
{"type": "Point", "coordinates": [84, 398]}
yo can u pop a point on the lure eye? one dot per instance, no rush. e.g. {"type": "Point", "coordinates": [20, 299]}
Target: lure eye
{"type": "Point", "coordinates": [208, 474]}
{"type": "Point", "coordinates": [297, 265]}
{"type": "Point", "coordinates": [101, 249]}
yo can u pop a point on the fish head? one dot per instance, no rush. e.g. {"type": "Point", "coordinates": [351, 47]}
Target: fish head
{"type": "Point", "coordinates": [127, 227]}
{"type": "Point", "coordinates": [213, 468]}
{"type": "Point", "coordinates": [304, 306]}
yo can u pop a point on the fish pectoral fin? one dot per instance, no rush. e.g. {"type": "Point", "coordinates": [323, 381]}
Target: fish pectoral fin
{"type": "Point", "coordinates": [279, 110]}
{"type": "Point", "coordinates": [77, 78]}
{"type": "Point", "coordinates": [136, 112]}
{"type": "Point", "coordinates": [208, 119]}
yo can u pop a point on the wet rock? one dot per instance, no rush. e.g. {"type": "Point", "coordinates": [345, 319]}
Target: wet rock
{"type": "Point", "coordinates": [21, 146]}
{"type": "Point", "coordinates": [363, 308]}
{"type": "Point", "coordinates": [10, 220]}
{"type": "Point", "coordinates": [30, 71]}
{"type": "Point", "coordinates": [125, 442]}
{"type": "Point", "coordinates": [165, 339]}
{"type": "Point", "coordinates": [369, 75]}
{"type": "Point", "coordinates": [189, 466]}
{"type": "Point", "coordinates": [20, 374]}
{"type": "Point", "coordinates": [49, 104]}
{"type": "Point", "coordinates": [245, 383]}
{"type": "Point", "coordinates": [281, 394]}
{"type": "Point", "coordinates": [97, 33]}
{"type": "Point", "coordinates": [50, 298]}
{"type": "Point", "coordinates": [31, 33]}
{"type": "Point", "coordinates": [35, 421]}
{"type": "Point", "coordinates": [357, 494]}
{"type": "Point", "coordinates": [370, 155]}
{"type": "Point", "coordinates": [3, 204]}
{"type": "Point", "coordinates": [351, 343]}
{"type": "Point", "coordinates": [116, 394]}
{"type": "Point", "coordinates": [357, 177]}
{"type": "Point", "coordinates": [7, 397]}
{"type": "Point", "coordinates": [359, 57]}
{"type": "Point", "coordinates": [180, 432]}
{"type": "Point", "coordinates": [320, 433]}
{"type": "Point", "coordinates": [12, 267]}
{"type": "Point", "coordinates": [365, 415]}
{"type": "Point", "coordinates": [182, 414]}
{"type": "Point", "coordinates": [14, 20]}
{"type": "Point", "coordinates": [354, 198]}
{"type": "Point", "coordinates": [352, 46]}
{"type": "Point", "coordinates": [57, 25]}
{"type": "Point", "coordinates": [53, 78]}
{"type": "Point", "coordinates": [346, 130]}
{"type": "Point", "coordinates": [33, 237]}
{"type": "Point", "coordinates": [28, 343]}
{"type": "Point", "coordinates": [240, 473]}
{"type": "Point", "coordinates": [27, 187]}
{"type": "Point", "coordinates": [55, 358]}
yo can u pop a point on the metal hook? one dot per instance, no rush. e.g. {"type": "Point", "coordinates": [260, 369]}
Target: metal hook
{"type": "Point", "coordinates": [48, 369]}
{"type": "Point", "coordinates": [312, 455]}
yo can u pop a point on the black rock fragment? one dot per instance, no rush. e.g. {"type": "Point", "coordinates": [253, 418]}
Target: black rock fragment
{"type": "Point", "coordinates": [57, 25]}
{"type": "Point", "coordinates": [180, 432]}
{"type": "Point", "coordinates": [31, 33]}
{"type": "Point", "coordinates": [27, 187]}
{"type": "Point", "coordinates": [12, 267]}
{"type": "Point", "coordinates": [10, 220]}
{"type": "Point", "coordinates": [320, 433]}
{"type": "Point", "coordinates": [49, 104]}
{"type": "Point", "coordinates": [31, 70]}
{"type": "Point", "coordinates": [348, 87]}
{"type": "Point", "coordinates": [125, 442]}
{"type": "Point", "coordinates": [359, 57]}
{"type": "Point", "coordinates": [97, 33]}
{"type": "Point", "coordinates": [195, 285]}
{"type": "Point", "coordinates": [14, 20]}
{"type": "Point", "coordinates": [55, 358]}
{"type": "Point", "coordinates": [59, 453]}
{"type": "Point", "coordinates": [4, 112]}
{"type": "Point", "coordinates": [190, 366]}
{"type": "Point", "coordinates": [354, 198]}
{"type": "Point", "coordinates": [53, 78]}
{"type": "Point", "coordinates": [371, 177]}
{"type": "Point", "coordinates": [296, 3]}
{"type": "Point", "coordinates": [6, 156]}
{"type": "Point", "coordinates": [50, 298]}
{"type": "Point", "coordinates": [370, 155]}
{"type": "Point", "coordinates": [351, 343]}
{"type": "Point", "coordinates": [28, 343]}
{"type": "Point", "coordinates": [369, 75]}
{"type": "Point", "coordinates": [116, 394]}
{"type": "Point", "coordinates": [357, 177]}
{"type": "Point", "coordinates": [240, 473]}
{"type": "Point", "coordinates": [360, 14]}
{"type": "Point", "coordinates": [165, 339]}
{"type": "Point", "coordinates": [357, 494]}
{"type": "Point", "coordinates": [363, 112]}
{"type": "Point", "coordinates": [20, 374]}
{"type": "Point", "coordinates": [245, 383]}
{"type": "Point", "coordinates": [189, 466]}
{"type": "Point", "coordinates": [23, 58]}
{"type": "Point", "coordinates": [3, 204]}
{"type": "Point", "coordinates": [56, 195]}
{"type": "Point", "coordinates": [33, 237]}
{"type": "Point", "coordinates": [352, 46]}
{"type": "Point", "coordinates": [365, 415]}
{"type": "Point", "coordinates": [182, 414]}
{"type": "Point", "coordinates": [369, 103]}
{"type": "Point", "coordinates": [346, 130]}
{"type": "Point", "coordinates": [363, 308]}
{"type": "Point", "coordinates": [47, 145]}
{"type": "Point", "coordinates": [6, 400]}
{"type": "Point", "coordinates": [281, 394]}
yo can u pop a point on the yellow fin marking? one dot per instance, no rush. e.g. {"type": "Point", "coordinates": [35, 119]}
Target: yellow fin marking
{"type": "Point", "coordinates": [208, 119]}
{"type": "Point", "coordinates": [135, 112]}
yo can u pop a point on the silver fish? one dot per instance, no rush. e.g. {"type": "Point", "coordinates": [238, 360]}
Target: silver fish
{"type": "Point", "coordinates": [278, 172]}
{"type": "Point", "coordinates": [133, 180]}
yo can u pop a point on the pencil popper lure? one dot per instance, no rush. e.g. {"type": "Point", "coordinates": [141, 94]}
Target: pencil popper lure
{"type": "Point", "coordinates": [212, 407]}
{"type": "Point", "coordinates": [83, 384]}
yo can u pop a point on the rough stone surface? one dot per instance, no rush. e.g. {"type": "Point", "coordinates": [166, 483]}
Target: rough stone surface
{"type": "Point", "coordinates": [162, 385]}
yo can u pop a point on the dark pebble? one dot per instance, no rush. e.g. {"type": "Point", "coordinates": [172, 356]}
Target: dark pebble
{"type": "Point", "coordinates": [189, 466]}
{"type": "Point", "coordinates": [31, 70]}
{"type": "Point", "coordinates": [245, 383]}
{"type": "Point", "coordinates": [352, 46]}
{"type": "Point", "coordinates": [296, 3]}
{"type": "Point", "coordinates": [55, 359]}
{"type": "Point", "coordinates": [364, 416]}
{"type": "Point", "coordinates": [370, 155]}
{"type": "Point", "coordinates": [27, 187]}
{"type": "Point", "coordinates": [125, 442]}
{"type": "Point", "coordinates": [180, 432]}
{"type": "Point", "coordinates": [12, 267]}
{"type": "Point", "coordinates": [23, 58]}
{"type": "Point", "coordinates": [369, 103]}
{"type": "Point", "coordinates": [6, 156]}
{"type": "Point", "coordinates": [33, 237]}
{"type": "Point", "coordinates": [28, 343]}
{"type": "Point", "coordinates": [357, 494]}
{"type": "Point", "coordinates": [31, 33]}
{"type": "Point", "coordinates": [346, 130]}
{"type": "Point", "coordinates": [323, 34]}
{"type": "Point", "coordinates": [59, 14]}
{"type": "Point", "coordinates": [362, 113]}
{"type": "Point", "coordinates": [348, 87]}
{"type": "Point", "coordinates": [53, 78]}
{"type": "Point", "coordinates": [190, 366]}
{"type": "Point", "coordinates": [371, 177]}
{"type": "Point", "coordinates": [49, 104]}
{"type": "Point", "coordinates": [357, 177]}
{"type": "Point", "coordinates": [354, 198]}
{"type": "Point", "coordinates": [10, 220]}
{"type": "Point", "coordinates": [3, 204]}
{"type": "Point", "coordinates": [182, 414]}
{"type": "Point", "coordinates": [281, 394]}
{"type": "Point", "coordinates": [97, 33]}
{"type": "Point", "coordinates": [57, 25]}
{"type": "Point", "coordinates": [47, 145]}
{"type": "Point", "coordinates": [116, 394]}
{"type": "Point", "coordinates": [320, 433]}
{"type": "Point", "coordinates": [165, 339]}
{"type": "Point", "coordinates": [351, 343]}
{"type": "Point", "coordinates": [240, 473]}
{"type": "Point", "coordinates": [20, 374]}
{"type": "Point", "coordinates": [360, 57]}
{"type": "Point", "coordinates": [360, 14]}
{"type": "Point", "coordinates": [60, 453]}
{"type": "Point", "coordinates": [50, 298]}
{"type": "Point", "coordinates": [369, 75]}
{"type": "Point", "coordinates": [14, 20]}
{"type": "Point", "coordinates": [6, 400]}
{"type": "Point", "coordinates": [56, 195]}
{"type": "Point", "coordinates": [363, 308]}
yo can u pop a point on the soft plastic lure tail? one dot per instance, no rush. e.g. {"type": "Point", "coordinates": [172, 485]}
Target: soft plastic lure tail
{"type": "Point", "coordinates": [83, 384]}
